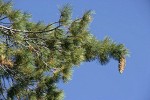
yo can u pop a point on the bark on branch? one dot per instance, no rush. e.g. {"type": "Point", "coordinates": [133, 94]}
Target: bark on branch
{"type": "Point", "coordinates": [15, 30]}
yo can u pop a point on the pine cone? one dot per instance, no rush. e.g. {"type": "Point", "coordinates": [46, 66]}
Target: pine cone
{"type": "Point", "coordinates": [6, 62]}
{"type": "Point", "coordinates": [122, 63]}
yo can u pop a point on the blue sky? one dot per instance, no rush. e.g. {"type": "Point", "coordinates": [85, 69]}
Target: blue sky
{"type": "Point", "coordinates": [125, 21]}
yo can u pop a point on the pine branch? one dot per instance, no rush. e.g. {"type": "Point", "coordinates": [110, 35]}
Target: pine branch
{"type": "Point", "coordinates": [15, 30]}
{"type": "Point", "coordinates": [55, 52]}
{"type": "Point", "coordinates": [3, 18]}
{"type": "Point", "coordinates": [50, 25]}
{"type": "Point", "coordinates": [5, 23]}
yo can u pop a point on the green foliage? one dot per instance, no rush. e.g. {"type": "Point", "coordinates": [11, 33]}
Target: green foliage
{"type": "Point", "coordinates": [34, 57]}
{"type": "Point", "coordinates": [65, 16]}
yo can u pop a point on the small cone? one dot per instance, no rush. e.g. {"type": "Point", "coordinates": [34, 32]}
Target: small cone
{"type": "Point", "coordinates": [122, 63]}
{"type": "Point", "coordinates": [6, 62]}
{"type": "Point", "coordinates": [2, 58]}
{"type": "Point", "coordinates": [9, 63]}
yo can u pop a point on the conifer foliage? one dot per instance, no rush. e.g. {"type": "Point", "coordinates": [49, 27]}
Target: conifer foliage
{"type": "Point", "coordinates": [34, 57]}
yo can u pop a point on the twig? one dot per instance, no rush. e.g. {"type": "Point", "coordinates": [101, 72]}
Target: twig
{"type": "Point", "coordinates": [50, 25]}
{"type": "Point", "coordinates": [3, 18]}
{"type": "Point", "coordinates": [15, 30]}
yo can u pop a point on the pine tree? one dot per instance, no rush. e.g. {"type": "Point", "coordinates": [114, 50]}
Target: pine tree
{"type": "Point", "coordinates": [34, 57]}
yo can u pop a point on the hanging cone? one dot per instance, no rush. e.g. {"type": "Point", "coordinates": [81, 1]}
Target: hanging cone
{"type": "Point", "coordinates": [6, 62]}
{"type": "Point", "coordinates": [2, 59]}
{"type": "Point", "coordinates": [122, 63]}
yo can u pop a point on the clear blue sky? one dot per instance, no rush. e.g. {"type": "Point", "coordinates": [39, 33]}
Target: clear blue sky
{"type": "Point", "coordinates": [125, 21]}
